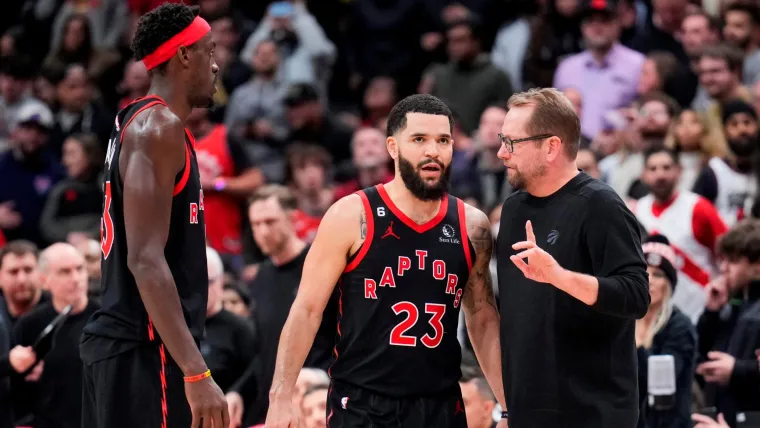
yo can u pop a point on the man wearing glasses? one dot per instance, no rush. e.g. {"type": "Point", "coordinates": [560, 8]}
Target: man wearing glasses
{"type": "Point", "coordinates": [575, 281]}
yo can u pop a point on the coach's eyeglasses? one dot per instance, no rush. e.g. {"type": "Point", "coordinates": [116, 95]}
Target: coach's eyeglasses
{"type": "Point", "coordinates": [509, 143]}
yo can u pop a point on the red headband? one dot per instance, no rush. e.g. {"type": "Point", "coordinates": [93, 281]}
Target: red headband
{"type": "Point", "coordinates": [194, 32]}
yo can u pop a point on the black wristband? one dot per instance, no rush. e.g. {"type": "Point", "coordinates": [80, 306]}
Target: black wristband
{"type": "Point", "coordinates": [505, 415]}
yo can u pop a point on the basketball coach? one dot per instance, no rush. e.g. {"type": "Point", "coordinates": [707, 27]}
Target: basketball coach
{"type": "Point", "coordinates": [572, 278]}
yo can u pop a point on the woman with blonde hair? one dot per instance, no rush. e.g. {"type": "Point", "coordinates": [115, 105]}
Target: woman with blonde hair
{"type": "Point", "coordinates": [696, 141]}
{"type": "Point", "coordinates": [665, 330]}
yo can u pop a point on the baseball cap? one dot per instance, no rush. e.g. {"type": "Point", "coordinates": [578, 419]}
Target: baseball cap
{"type": "Point", "coordinates": [589, 7]}
{"type": "Point", "coordinates": [300, 93]}
{"type": "Point", "coordinates": [35, 113]}
{"type": "Point", "coordinates": [658, 253]}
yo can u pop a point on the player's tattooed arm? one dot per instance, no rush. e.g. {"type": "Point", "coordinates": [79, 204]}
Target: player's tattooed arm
{"type": "Point", "coordinates": [479, 304]}
{"type": "Point", "coordinates": [363, 224]}
{"type": "Point", "coordinates": [479, 290]}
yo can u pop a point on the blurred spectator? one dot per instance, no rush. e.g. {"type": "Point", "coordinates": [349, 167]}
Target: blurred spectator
{"type": "Point", "coordinates": [510, 49]}
{"type": "Point", "coordinates": [696, 142]}
{"type": "Point", "coordinates": [57, 401]}
{"type": "Point", "coordinates": [16, 77]}
{"type": "Point", "coordinates": [255, 111]}
{"type": "Point", "coordinates": [228, 177]}
{"type": "Point", "coordinates": [664, 330]}
{"type": "Point", "coordinates": [314, 407]}
{"type": "Point", "coordinates": [698, 30]}
{"type": "Point", "coordinates": [720, 69]}
{"type": "Point", "coordinates": [310, 122]}
{"type": "Point", "coordinates": [75, 203]}
{"type": "Point", "coordinates": [691, 222]}
{"type": "Point", "coordinates": [654, 118]}
{"type": "Point", "coordinates": [19, 281]}
{"type": "Point", "coordinates": [135, 84]}
{"type": "Point", "coordinates": [729, 182]}
{"type": "Point", "coordinates": [307, 379]}
{"type": "Point", "coordinates": [274, 289]}
{"type": "Point", "coordinates": [662, 28]}
{"type": "Point", "coordinates": [90, 250]}
{"type": "Point", "coordinates": [370, 160]}
{"type": "Point", "coordinates": [469, 82]}
{"type": "Point", "coordinates": [307, 54]}
{"type": "Point", "coordinates": [306, 168]}
{"type": "Point", "coordinates": [379, 98]}
{"type": "Point", "coordinates": [729, 328]}
{"type": "Point", "coordinates": [229, 345]}
{"type": "Point", "coordinates": [32, 169]}
{"type": "Point", "coordinates": [492, 184]}
{"type": "Point", "coordinates": [479, 402]}
{"type": "Point", "coordinates": [44, 85]}
{"type": "Point", "coordinates": [79, 45]}
{"type": "Point", "coordinates": [77, 112]}
{"type": "Point", "coordinates": [236, 300]}
{"type": "Point", "coordinates": [554, 35]}
{"type": "Point", "coordinates": [658, 68]}
{"type": "Point", "coordinates": [606, 73]}
{"type": "Point", "coordinates": [587, 161]}
{"type": "Point", "coordinates": [107, 21]}
{"type": "Point", "coordinates": [741, 28]}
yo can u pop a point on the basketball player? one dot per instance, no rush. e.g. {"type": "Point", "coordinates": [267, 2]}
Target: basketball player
{"type": "Point", "coordinates": [142, 343]}
{"type": "Point", "coordinates": [404, 256]}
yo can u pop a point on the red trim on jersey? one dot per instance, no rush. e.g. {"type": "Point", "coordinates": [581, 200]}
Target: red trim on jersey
{"type": "Point", "coordinates": [706, 224]}
{"type": "Point", "coordinates": [190, 137]}
{"type": "Point", "coordinates": [370, 233]}
{"type": "Point", "coordinates": [150, 104]}
{"type": "Point", "coordinates": [419, 228]}
{"type": "Point", "coordinates": [185, 173]}
{"type": "Point", "coordinates": [340, 317]}
{"type": "Point", "coordinates": [164, 406]}
{"type": "Point", "coordinates": [463, 232]}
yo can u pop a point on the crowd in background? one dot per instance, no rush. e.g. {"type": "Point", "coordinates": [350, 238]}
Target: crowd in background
{"type": "Point", "coordinates": [668, 92]}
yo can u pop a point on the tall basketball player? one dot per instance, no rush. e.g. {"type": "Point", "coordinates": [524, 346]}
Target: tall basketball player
{"type": "Point", "coordinates": [404, 256]}
{"type": "Point", "coordinates": [142, 365]}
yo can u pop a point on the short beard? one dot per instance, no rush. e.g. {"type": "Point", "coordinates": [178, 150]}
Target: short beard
{"type": "Point", "coordinates": [518, 180]}
{"type": "Point", "coordinates": [417, 185]}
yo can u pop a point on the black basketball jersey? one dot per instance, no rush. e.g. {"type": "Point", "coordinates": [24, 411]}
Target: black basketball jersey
{"type": "Point", "coordinates": [122, 314]}
{"type": "Point", "coordinates": [399, 300]}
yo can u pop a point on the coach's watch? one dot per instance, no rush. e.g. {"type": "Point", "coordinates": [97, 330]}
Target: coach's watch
{"type": "Point", "coordinates": [505, 415]}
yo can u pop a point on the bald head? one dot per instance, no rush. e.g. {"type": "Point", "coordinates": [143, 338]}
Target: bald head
{"type": "Point", "coordinates": [52, 255]}
{"type": "Point", "coordinates": [215, 265]}
{"type": "Point", "coordinates": [63, 273]}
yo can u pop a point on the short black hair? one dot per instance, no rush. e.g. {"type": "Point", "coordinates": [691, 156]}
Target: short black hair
{"type": "Point", "coordinates": [19, 248]}
{"type": "Point", "coordinates": [19, 67]}
{"type": "Point", "coordinates": [742, 240]}
{"type": "Point", "coordinates": [748, 7]}
{"type": "Point", "coordinates": [472, 22]}
{"type": "Point", "coordinates": [417, 103]}
{"type": "Point", "coordinates": [656, 149]}
{"type": "Point", "coordinates": [159, 25]}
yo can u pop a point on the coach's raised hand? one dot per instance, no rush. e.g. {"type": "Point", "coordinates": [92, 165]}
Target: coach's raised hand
{"type": "Point", "coordinates": [207, 403]}
{"type": "Point", "coordinates": [541, 266]}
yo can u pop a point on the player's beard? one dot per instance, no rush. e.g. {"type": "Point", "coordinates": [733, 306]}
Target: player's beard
{"type": "Point", "coordinates": [419, 188]}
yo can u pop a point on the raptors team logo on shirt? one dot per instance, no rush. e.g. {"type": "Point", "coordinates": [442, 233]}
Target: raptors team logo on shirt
{"type": "Point", "coordinates": [449, 235]}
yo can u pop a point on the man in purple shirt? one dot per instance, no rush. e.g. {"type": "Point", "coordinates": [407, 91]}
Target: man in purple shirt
{"type": "Point", "coordinates": [606, 73]}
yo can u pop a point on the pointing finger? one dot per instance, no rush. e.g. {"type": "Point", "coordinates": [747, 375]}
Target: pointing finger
{"type": "Point", "coordinates": [526, 253]}
{"type": "Point", "coordinates": [520, 264]}
{"type": "Point", "coordinates": [529, 231]}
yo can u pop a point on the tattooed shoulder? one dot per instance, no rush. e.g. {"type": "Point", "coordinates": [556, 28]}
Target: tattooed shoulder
{"type": "Point", "coordinates": [363, 224]}
{"type": "Point", "coordinates": [478, 229]}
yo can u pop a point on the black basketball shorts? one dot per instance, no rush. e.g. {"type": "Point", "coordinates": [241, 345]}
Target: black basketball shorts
{"type": "Point", "coordinates": [352, 407]}
{"type": "Point", "coordinates": [140, 387]}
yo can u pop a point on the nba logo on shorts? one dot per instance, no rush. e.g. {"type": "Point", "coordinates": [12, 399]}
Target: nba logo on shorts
{"type": "Point", "coordinates": [343, 402]}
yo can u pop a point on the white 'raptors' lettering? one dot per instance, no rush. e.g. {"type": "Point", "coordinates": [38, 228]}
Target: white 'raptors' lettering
{"type": "Point", "coordinates": [388, 279]}
{"type": "Point", "coordinates": [110, 152]}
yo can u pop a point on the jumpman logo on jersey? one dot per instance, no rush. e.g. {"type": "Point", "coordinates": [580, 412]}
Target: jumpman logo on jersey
{"type": "Point", "coordinates": [458, 409]}
{"type": "Point", "coordinates": [389, 232]}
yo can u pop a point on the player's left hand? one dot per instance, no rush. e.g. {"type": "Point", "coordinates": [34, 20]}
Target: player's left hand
{"type": "Point", "coordinates": [541, 266]}
{"type": "Point", "coordinates": [718, 370]}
